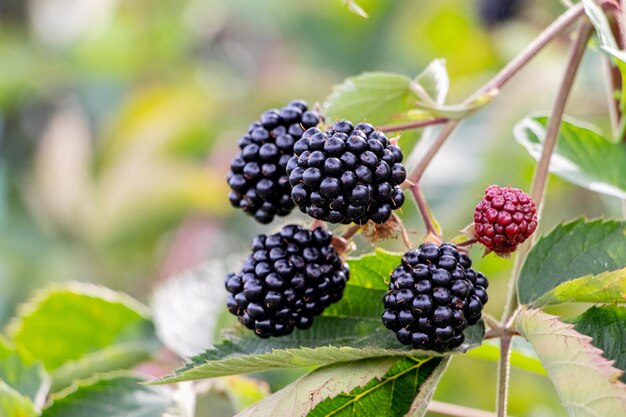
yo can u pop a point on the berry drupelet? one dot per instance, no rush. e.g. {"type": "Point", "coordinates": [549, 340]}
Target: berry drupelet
{"type": "Point", "coordinates": [433, 296]}
{"type": "Point", "coordinates": [504, 218]}
{"type": "Point", "coordinates": [289, 278]}
{"type": "Point", "coordinates": [346, 174]}
{"type": "Point", "coordinates": [257, 178]}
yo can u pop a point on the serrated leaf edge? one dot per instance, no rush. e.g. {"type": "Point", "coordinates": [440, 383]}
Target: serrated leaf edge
{"type": "Point", "coordinates": [605, 366]}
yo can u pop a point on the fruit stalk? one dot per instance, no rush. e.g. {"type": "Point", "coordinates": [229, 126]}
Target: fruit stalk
{"type": "Point", "coordinates": [424, 210]}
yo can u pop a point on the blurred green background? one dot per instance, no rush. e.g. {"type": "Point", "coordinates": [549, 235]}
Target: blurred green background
{"type": "Point", "coordinates": [118, 119]}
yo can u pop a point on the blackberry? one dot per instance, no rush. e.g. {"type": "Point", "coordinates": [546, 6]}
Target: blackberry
{"type": "Point", "coordinates": [346, 174]}
{"type": "Point", "coordinates": [433, 296]}
{"type": "Point", "coordinates": [289, 278]}
{"type": "Point", "coordinates": [257, 178]}
{"type": "Point", "coordinates": [504, 218]}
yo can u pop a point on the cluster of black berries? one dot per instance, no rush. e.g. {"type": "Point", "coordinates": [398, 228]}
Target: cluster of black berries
{"type": "Point", "coordinates": [291, 277]}
{"type": "Point", "coordinates": [346, 174]}
{"type": "Point", "coordinates": [433, 296]}
{"type": "Point", "coordinates": [257, 178]}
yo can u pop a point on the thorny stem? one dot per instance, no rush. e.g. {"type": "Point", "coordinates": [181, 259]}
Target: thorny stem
{"type": "Point", "coordinates": [541, 171]}
{"type": "Point", "coordinates": [497, 82]}
{"type": "Point", "coordinates": [503, 374]}
{"type": "Point", "coordinates": [537, 192]}
{"type": "Point", "coordinates": [412, 125]}
{"type": "Point", "coordinates": [454, 410]}
{"type": "Point", "coordinates": [422, 205]}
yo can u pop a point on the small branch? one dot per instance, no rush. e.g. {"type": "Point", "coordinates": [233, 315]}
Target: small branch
{"type": "Point", "coordinates": [503, 375]}
{"type": "Point", "coordinates": [405, 235]}
{"type": "Point", "coordinates": [352, 230]}
{"type": "Point", "coordinates": [541, 171]}
{"type": "Point", "coordinates": [424, 210]}
{"type": "Point", "coordinates": [468, 242]}
{"type": "Point", "coordinates": [613, 79]}
{"type": "Point", "coordinates": [454, 410]}
{"type": "Point", "coordinates": [497, 82]}
{"type": "Point", "coordinates": [412, 125]}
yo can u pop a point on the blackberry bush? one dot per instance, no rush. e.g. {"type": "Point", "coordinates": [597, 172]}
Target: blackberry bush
{"type": "Point", "coordinates": [347, 174]}
{"type": "Point", "coordinates": [504, 218]}
{"type": "Point", "coordinates": [289, 278]}
{"type": "Point", "coordinates": [257, 178]}
{"type": "Point", "coordinates": [434, 294]}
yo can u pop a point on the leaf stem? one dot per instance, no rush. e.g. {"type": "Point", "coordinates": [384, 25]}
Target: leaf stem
{"type": "Point", "coordinates": [497, 82]}
{"type": "Point", "coordinates": [424, 210]}
{"type": "Point", "coordinates": [454, 410]}
{"type": "Point", "coordinates": [412, 125]}
{"type": "Point", "coordinates": [541, 172]}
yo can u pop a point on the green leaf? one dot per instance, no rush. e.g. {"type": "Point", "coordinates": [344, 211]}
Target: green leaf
{"type": "Point", "coordinates": [23, 375]}
{"type": "Point", "coordinates": [572, 250]}
{"type": "Point", "coordinates": [607, 326]}
{"type": "Point", "coordinates": [377, 97]}
{"type": "Point", "coordinates": [432, 84]}
{"type": "Point", "coordinates": [373, 270]}
{"type": "Point", "coordinates": [76, 329]}
{"type": "Point", "coordinates": [114, 395]}
{"type": "Point", "coordinates": [606, 287]}
{"type": "Point", "coordinates": [587, 384]}
{"type": "Point", "coordinates": [12, 404]}
{"type": "Point", "coordinates": [371, 387]}
{"type": "Point", "coordinates": [603, 29]}
{"type": "Point", "coordinates": [335, 379]}
{"type": "Point", "coordinates": [347, 331]}
{"type": "Point", "coordinates": [581, 156]}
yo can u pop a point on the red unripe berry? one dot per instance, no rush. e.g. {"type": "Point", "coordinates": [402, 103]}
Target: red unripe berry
{"type": "Point", "coordinates": [504, 218]}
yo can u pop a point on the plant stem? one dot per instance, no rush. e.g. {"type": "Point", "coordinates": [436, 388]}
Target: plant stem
{"type": "Point", "coordinates": [541, 172]}
{"type": "Point", "coordinates": [454, 410]}
{"type": "Point", "coordinates": [504, 370]}
{"type": "Point", "coordinates": [497, 82]}
{"type": "Point", "coordinates": [405, 235]}
{"type": "Point", "coordinates": [422, 205]}
{"type": "Point", "coordinates": [412, 125]}
{"type": "Point", "coordinates": [467, 242]}
{"type": "Point", "coordinates": [612, 79]}
{"type": "Point", "coordinates": [352, 230]}
{"type": "Point", "coordinates": [540, 177]}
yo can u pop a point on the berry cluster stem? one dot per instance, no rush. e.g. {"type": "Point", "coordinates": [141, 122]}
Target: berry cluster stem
{"type": "Point", "coordinates": [540, 177]}
{"type": "Point", "coordinates": [497, 82]}
{"type": "Point", "coordinates": [424, 210]}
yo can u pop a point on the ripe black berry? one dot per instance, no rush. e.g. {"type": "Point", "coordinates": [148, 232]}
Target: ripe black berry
{"type": "Point", "coordinates": [257, 178]}
{"type": "Point", "coordinates": [346, 174]}
{"type": "Point", "coordinates": [289, 278]}
{"type": "Point", "coordinates": [433, 296]}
